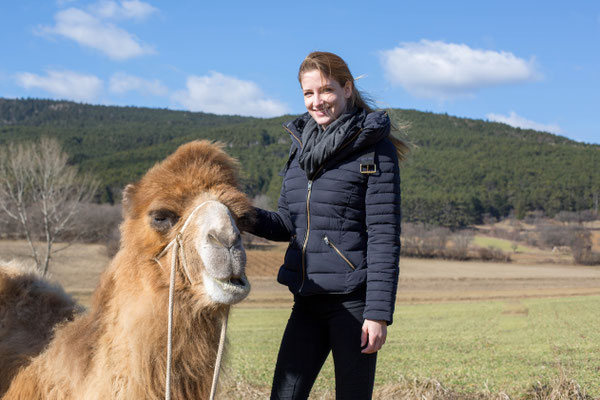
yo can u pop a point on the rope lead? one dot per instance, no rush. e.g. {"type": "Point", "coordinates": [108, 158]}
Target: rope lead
{"type": "Point", "coordinates": [213, 389]}
{"type": "Point", "coordinates": [177, 248]}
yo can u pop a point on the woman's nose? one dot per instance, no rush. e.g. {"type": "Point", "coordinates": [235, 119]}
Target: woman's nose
{"type": "Point", "coordinates": [317, 100]}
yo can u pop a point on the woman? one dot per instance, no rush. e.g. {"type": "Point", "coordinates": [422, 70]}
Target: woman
{"type": "Point", "coordinates": [340, 209]}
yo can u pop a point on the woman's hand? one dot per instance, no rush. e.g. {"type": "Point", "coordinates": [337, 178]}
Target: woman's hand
{"type": "Point", "coordinates": [373, 335]}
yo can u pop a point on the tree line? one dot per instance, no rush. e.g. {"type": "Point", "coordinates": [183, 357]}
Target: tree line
{"type": "Point", "coordinates": [458, 172]}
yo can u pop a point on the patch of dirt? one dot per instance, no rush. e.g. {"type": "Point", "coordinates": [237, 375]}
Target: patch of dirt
{"type": "Point", "coordinates": [265, 259]}
{"type": "Point", "coordinates": [433, 280]}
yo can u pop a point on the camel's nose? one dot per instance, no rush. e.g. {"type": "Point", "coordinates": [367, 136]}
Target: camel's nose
{"type": "Point", "coordinates": [222, 259]}
{"type": "Point", "coordinates": [219, 242]}
{"type": "Point", "coordinates": [227, 238]}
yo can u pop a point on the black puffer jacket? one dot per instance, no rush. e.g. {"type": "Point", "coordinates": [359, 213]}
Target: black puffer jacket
{"type": "Point", "coordinates": [343, 225]}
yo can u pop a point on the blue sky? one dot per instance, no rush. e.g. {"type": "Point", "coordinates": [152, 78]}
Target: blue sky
{"type": "Point", "coordinates": [533, 64]}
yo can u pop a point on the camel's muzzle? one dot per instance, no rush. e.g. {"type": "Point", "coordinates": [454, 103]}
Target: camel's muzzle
{"type": "Point", "coordinates": [235, 286]}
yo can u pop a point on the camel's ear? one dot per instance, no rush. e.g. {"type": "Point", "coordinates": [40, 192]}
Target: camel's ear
{"type": "Point", "coordinates": [127, 201]}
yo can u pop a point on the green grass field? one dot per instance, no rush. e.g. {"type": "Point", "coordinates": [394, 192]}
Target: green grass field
{"type": "Point", "coordinates": [502, 244]}
{"type": "Point", "coordinates": [470, 347]}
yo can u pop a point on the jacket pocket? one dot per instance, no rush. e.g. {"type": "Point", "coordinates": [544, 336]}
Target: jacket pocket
{"type": "Point", "coordinates": [329, 243]}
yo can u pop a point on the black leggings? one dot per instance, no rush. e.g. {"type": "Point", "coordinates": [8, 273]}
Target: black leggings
{"type": "Point", "coordinates": [319, 324]}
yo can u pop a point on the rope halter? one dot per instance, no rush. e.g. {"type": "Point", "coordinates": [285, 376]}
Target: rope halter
{"type": "Point", "coordinates": [178, 253]}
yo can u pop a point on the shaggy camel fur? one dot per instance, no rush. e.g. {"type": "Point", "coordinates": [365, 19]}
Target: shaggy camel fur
{"type": "Point", "coordinates": [30, 307]}
{"type": "Point", "coordinates": [118, 349]}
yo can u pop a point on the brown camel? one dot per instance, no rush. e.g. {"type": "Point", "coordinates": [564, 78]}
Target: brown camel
{"type": "Point", "coordinates": [117, 350]}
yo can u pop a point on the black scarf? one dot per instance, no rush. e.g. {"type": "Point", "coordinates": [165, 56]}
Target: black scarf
{"type": "Point", "coordinates": [321, 145]}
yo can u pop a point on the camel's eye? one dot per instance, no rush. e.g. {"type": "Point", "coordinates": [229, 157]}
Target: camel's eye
{"type": "Point", "coordinates": [163, 220]}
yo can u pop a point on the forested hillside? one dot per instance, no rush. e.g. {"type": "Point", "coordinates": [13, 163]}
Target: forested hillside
{"type": "Point", "coordinates": [458, 170]}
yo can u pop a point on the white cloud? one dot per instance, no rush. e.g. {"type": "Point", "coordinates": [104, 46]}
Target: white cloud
{"type": "Point", "coordinates": [64, 84]}
{"type": "Point", "coordinates": [513, 119]}
{"type": "Point", "coordinates": [90, 31]}
{"type": "Point", "coordinates": [435, 69]}
{"type": "Point", "coordinates": [121, 83]}
{"type": "Point", "coordinates": [133, 9]}
{"type": "Point", "coordinates": [220, 94]}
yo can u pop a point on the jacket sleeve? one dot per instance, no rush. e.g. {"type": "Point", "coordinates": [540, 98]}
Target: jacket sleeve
{"type": "Point", "coordinates": [382, 208]}
{"type": "Point", "coordinates": [274, 225]}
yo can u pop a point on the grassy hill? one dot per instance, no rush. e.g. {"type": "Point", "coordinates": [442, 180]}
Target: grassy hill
{"type": "Point", "coordinates": [458, 170]}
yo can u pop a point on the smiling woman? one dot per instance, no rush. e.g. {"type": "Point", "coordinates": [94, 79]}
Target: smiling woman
{"type": "Point", "coordinates": [340, 211]}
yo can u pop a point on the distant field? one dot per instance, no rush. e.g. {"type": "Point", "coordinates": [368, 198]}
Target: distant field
{"type": "Point", "coordinates": [76, 267]}
{"type": "Point", "coordinates": [502, 244]}
{"type": "Point", "coordinates": [434, 280]}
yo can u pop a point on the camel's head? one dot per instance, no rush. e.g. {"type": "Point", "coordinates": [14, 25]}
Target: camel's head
{"type": "Point", "coordinates": [189, 205]}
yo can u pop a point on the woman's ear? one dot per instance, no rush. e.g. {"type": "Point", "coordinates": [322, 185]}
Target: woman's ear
{"type": "Point", "coordinates": [348, 89]}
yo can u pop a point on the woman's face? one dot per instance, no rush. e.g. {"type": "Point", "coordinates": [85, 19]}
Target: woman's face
{"type": "Point", "coordinates": [324, 98]}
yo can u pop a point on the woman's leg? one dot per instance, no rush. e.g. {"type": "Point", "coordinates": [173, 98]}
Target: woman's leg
{"type": "Point", "coordinates": [303, 350]}
{"type": "Point", "coordinates": [354, 371]}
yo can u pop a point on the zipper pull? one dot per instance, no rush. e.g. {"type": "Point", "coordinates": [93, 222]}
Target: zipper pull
{"type": "Point", "coordinates": [326, 240]}
{"type": "Point", "coordinates": [309, 185]}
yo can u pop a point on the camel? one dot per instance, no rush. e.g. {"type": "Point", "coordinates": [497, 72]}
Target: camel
{"type": "Point", "coordinates": [49, 350]}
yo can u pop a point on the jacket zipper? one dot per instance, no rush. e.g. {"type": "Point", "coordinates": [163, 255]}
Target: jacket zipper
{"type": "Point", "coordinates": [310, 182]}
{"type": "Point", "coordinates": [333, 246]}
{"type": "Point", "coordinates": [307, 234]}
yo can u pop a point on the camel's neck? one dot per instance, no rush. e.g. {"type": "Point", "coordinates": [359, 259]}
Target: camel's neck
{"type": "Point", "coordinates": [135, 311]}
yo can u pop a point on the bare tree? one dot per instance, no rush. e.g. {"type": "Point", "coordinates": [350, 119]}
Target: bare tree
{"type": "Point", "coordinates": [40, 191]}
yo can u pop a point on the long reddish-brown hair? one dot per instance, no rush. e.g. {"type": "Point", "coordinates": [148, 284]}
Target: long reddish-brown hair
{"type": "Point", "coordinates": [333, 66]}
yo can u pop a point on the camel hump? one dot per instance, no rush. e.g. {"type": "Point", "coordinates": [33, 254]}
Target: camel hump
{"type": "Point", "coordinates": [30, 309]}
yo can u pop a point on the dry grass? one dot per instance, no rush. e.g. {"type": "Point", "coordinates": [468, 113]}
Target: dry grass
{"type": "Point", "coordinates": [238, 389]}
{"type": "Point", "coordinates": [561, 388]}
{"type": "Point", "coordinates": [428, 389]}
{"type": "Point", "coordinates": [232, 387]}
